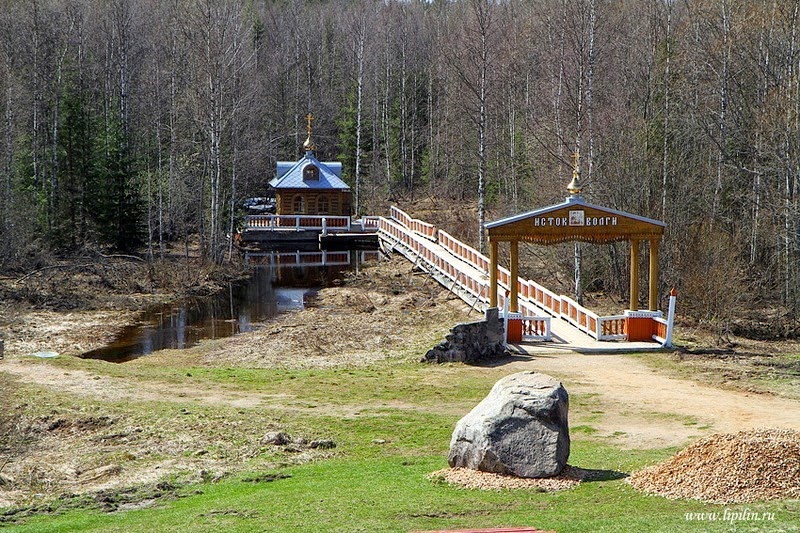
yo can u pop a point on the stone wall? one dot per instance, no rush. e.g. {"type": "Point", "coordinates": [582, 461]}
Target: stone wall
{"type": "Point", "coordinates": [471, 342]}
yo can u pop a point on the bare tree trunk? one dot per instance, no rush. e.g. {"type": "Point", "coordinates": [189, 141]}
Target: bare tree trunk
{"type": "Point", "coordinates": [482, 10]}
{"type": "Point", "coordinates": [723, 107]}
{"type": "Point", "coordinates": [8, 163]}
{"type": "Point", "coordinates": [385, 124]}
{"type": "Point", "coordinates": [789, 140]}
{"type": "Point", "coordinates": [667, 82]}
{"type": "Point", "coordinates": [403, 115]}
{"type": "Point", "coordinates": [159, 166]}
{"type": "Point", "coordinates": [764, 51]}
{"type": "Point", "coordinates": [37, 98]}
{"type": "Point", "coordinates": [361, 35]}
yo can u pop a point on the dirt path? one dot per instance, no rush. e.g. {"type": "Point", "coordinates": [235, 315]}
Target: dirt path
{"type": "Point", "coordinates": [87, 384]}
{"type": "Point", "coordinates": [621, 398]}
{"type": "Point", "coordinates": [644, 408]}
{"type": "Point", "coordinates": [107, 388]}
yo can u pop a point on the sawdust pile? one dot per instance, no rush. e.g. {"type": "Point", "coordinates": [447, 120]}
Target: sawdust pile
{"type": "Point", "coordinates": [475, 479]}
{"type": "Point", "coordinates": [749, 466]}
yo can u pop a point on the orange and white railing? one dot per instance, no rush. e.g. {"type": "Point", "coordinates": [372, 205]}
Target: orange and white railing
{"type": "Point", "coordinates": [452, 270]}
{"type": "Point", "coordinates": [303, 259]}
{"type": "Point", "coordinates": [325, 223]}
{"type": "Point", "coordinates": [297, 222]}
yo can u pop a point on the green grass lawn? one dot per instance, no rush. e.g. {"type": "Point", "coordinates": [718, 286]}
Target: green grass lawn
{"type": "Point", "coordinates": [392, 493]}
{"type": "Point", "coordinates": [383, 486]}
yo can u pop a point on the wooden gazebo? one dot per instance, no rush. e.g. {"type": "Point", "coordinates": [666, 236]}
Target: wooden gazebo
{"type": "Point", "coordinates": [575, 220]}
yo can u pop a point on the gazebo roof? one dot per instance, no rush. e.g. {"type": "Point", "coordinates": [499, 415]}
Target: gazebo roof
{"type": "Point", "coordinates": [574, 220]}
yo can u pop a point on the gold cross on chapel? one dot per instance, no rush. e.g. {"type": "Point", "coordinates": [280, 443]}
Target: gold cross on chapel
{"type": "Point", "coordinates": [309, 119]}
{"type": "Point", "coordinates": [309, 144]}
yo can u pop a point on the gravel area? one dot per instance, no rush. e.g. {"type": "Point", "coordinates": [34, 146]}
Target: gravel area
{"type": "Point", "coordinates": [475, 479]}
{"type": "Point", "coordinates": [748, 466]}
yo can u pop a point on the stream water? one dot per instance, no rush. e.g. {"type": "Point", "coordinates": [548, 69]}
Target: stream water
{"type": "Point", "coordinates": [280, 281]}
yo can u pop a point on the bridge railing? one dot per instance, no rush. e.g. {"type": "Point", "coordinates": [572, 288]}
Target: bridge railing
{"type": "Point", "coordinates": [612, 328]}
{"type": "Point", "coordinates": [660, 334]}
{"type": "Point", "coordinates": [368, 222]}
{"type": "Point", "coordinates": [297, 222]}
{"type": "Point", "coordinates": [421, 251]}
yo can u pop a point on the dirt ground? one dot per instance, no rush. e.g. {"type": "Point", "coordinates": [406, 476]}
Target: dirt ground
{"type": "Point", "coordinates": [93, 438]}
{"type": "Point", "coordinates": [643, 408]}
{"type": "Point", "coordinates": [90, 436]}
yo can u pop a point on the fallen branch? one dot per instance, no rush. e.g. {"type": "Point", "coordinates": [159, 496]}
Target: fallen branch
{"type": "Point", "coordinates": [122, 256]}
{"type": "Point", "coordinates": [51, 267]}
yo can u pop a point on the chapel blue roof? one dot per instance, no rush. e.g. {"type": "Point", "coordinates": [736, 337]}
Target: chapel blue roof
{"type": "Point", "coordinates": [290, 174]}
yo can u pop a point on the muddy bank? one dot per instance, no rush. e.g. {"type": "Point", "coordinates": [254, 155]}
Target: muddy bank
{"type": "Point", "coordinates": [81, 304]}
{"type": "Point", "coordinates": [384, 310]}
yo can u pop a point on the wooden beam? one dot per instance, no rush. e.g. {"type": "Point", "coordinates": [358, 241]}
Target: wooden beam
{"type": "Point", "coordinates": [634, 300]}
{"type": "Point", "coordinates": [653, 300]}
{"type": "Point", "coordinates": [513, 283]}
{"type": "Point", "coordinates": [492, 272]}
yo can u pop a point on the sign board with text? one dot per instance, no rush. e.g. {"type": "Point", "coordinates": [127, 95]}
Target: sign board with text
{"type": "Point", "coordinates": [574, 220]}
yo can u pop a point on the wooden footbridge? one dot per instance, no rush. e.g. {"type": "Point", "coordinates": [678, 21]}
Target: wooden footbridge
{"type": "Point", "coordinates": [540, 314]}
{"type": "Point", "coordinates": [543, 314]}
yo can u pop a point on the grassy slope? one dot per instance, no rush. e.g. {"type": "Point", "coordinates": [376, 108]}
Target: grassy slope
{"type": "Point", "coordinates": [383, 487]}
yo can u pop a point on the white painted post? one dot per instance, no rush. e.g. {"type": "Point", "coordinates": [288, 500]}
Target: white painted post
{"type": "Point", "coordinates": [324, 226]}
{"type": "Point", "coordinates": [673, 295]}
{"type": "Point", "coordinates": [505, 320]}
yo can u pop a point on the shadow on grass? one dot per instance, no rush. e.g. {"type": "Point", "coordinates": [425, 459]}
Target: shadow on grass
{"type": "Point", "coordinates": [586, 475]}
{"type": "Point", "coordinates": [501, 361]}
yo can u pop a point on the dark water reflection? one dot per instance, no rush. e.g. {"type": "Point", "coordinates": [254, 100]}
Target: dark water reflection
{"type": "Point", "coordinates": [276, 285]}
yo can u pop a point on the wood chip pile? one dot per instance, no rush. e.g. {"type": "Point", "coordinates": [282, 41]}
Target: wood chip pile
{"type": "Point", "coordinates": [749, 466]}
{"type": "Point", "coordinates": [475, 479]}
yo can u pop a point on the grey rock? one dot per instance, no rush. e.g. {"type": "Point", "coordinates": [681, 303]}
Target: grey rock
{"type": "Point", "coordinates": [276, 438]}
{"type": "Point", "coordinates": [322, 444]}
{"type": "Point", "coordinates": [519, 429]}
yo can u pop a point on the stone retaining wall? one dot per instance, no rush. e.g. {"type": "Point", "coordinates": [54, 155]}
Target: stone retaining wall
{"type": "Point", "coordinates": [471, 342]}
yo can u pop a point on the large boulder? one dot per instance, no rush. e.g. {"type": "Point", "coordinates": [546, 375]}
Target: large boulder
{"type": "Point", "coordinates": [519, 429]}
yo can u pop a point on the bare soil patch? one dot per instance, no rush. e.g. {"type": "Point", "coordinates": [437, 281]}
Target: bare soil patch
{"type": "Point", "coordinates": [639, 407]}
{"type": "Point", "coordinates": [385, 310]}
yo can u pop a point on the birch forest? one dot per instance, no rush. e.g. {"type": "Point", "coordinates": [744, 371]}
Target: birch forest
{"type": "Point", "coordinates": [128, 125]}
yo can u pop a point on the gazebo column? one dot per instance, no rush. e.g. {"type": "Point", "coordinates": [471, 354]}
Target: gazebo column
{"type": "Point", "coordinates": [654, 245]}
{"type": "Point", "coordinates": [634, 300]}
{"type": "Point", "coordinates": [513, 284]}
{"type": "Point", "coordinates": [492, 272]}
